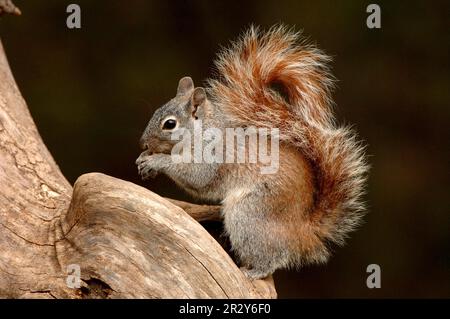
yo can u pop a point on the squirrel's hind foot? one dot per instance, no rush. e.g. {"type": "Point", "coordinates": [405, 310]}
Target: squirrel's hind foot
{"type": "Point", "coordinates": [254, 274]}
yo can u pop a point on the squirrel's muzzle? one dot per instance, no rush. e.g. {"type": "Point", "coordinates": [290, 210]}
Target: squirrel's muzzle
{"type": "Point", "coordinates": [143, 142]}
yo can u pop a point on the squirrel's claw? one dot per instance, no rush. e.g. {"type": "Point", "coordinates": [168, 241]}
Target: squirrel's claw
{"type": "Point", "coordinates": [254, 274]}
{"type": "Point", "coordinates": [142, 158]}
{"type": "Point", "coordinates": [145, 170]}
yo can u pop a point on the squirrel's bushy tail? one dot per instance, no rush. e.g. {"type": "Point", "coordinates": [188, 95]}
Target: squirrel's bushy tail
{"type": "Point", "coordinates": [274, 79]}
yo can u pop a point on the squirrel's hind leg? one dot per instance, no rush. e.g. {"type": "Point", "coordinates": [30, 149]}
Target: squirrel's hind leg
{"type": "Point", "coordinates": [253, 234]}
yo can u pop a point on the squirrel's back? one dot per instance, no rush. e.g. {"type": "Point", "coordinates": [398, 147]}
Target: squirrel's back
{"type": "Point", "coordinates": [274, 79]}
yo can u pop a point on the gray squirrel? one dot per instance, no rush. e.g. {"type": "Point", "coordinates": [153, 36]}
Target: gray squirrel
{"type": "Point", "coordinates": [270, 79]}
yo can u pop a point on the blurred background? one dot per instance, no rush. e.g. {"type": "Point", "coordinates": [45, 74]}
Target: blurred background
{"type": "Point", "coordinates": [92, 90]}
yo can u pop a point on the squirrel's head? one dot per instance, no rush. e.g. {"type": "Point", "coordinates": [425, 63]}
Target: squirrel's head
{"type": "Point", "coordinates": [189, 105]}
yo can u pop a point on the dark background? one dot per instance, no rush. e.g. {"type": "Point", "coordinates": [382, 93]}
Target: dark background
{"type": "Point", "coordinates": [91, 92]}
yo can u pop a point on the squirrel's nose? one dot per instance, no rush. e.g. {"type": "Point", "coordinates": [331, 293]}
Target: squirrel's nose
{"type": "Point", "coordinates": [144, 144]}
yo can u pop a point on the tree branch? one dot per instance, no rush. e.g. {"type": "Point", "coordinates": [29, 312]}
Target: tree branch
{"type": "Point", "coordinates": [6, 6]}
{"type": "Point", "coordinates": [199, 212]}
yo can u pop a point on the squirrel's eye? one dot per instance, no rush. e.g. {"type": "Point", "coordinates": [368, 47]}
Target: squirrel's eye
{"type": "Point", "coordinates": [169, 124]}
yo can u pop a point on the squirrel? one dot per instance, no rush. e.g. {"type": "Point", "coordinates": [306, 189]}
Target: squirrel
{"type": "Point", "coordinates": [269, 79]}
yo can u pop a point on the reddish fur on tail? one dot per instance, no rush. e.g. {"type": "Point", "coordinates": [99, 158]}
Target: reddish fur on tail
{"type": "Point", "coordinates": [275, 79]}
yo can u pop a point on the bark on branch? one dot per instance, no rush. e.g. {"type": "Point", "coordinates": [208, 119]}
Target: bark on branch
{"type": "Point", "coordinates": [127, 241]}
{"type": "Point", "coordinates": [6, 6]}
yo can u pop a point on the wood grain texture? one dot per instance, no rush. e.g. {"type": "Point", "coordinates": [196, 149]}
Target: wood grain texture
{"type": "Point", "coordinates": [128, 241]}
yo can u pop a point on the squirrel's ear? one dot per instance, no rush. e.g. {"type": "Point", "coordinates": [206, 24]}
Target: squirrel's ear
{"type": "Point", "coordinates": [199, 103]}
{"type": "Point", "coordinates": [198, 97]}
{"type": "Point", "coordinates": [186, 85]}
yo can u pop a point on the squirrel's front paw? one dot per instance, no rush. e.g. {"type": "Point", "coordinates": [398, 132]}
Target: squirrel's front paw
{"type": "Point", "coordinates": [147, 172]}
{"type": "Point", "coordinates": [148, 165]}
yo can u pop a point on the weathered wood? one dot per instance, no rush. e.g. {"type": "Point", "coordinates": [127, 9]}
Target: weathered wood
{"type": "Point", "coordinates": [33, 195]}
{"type": "Point", "coordinates": [6, 6]}
{"type": "Point", "coordinates": [126, 236]}
{"type": "Point", "coordinates": [128, 241]}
